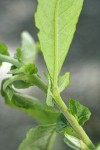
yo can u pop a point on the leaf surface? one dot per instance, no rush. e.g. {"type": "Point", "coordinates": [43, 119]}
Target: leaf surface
{"type": "Point", "coordinates": [75, 143]}
{"type": "Point", "coordinates": [64, 81]}
{"type": "Point", "coordinates": [63, 126]}
{"type": "Point", "coordinates": [3, 50]}
{"type": "Point", "coordinates": [49, 99]}
{"type": "Point", "coordinates": [9, 93]}
{"type": "Point", "coordinates": [79, 111]}
{"type": "Point", "coordinates": [27, 53]}
{"type": "Point", "coordinates": [39, 111]}
{"type": "Point", "coordinates": [18, 79]}
{"type": "Point", "coordinates": [39, 138]}
{"type": "Point", "coordinates": [56, 30]}
{"type": "Point", "coordinates": [25, 69]}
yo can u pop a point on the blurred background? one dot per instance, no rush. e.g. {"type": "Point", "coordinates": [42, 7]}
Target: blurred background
{"type": "Point", "coordinates": [83, 62]}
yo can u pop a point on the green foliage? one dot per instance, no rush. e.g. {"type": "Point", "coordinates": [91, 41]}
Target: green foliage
{"type": "Point", "coordinates": [18, 54]}
{"type": "Point", "coordinates": [64, 81]}
{"type": "Point", "coordinates": [31, 106]}
{"type": "Point", "coordinates": [49, 98]}
{"type": "Point", "coordinates": [25, 69]}
{"type": "Point", "coordinates": [75, 143]}
{"type": "Point", "coordinates": [39, 138]}
{"type": "Point", "coordinates": [9, 92]}
{"type": "Point", "coordinates": [63, 126]}
{"type": "Point", "coordinates": [80, 112]}
{"type": "Point", "coordinates": [56, 30]}
{"type": "Point", "coordinates": [56, 26]}
{"type": "Point", "coordinates": [19, 84]}
{"type": "Point", "coordinates": [16, 81]}
{"type": "Point", "coordinates": [3, 50]}
{"type": "Point", "coordinates": [21, 76]}
{"type": "Point", "coordinates": [27, 53]}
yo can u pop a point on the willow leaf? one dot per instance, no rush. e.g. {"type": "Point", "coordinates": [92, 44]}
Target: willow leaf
{"type": "Point", "coordinates": [57, 27]}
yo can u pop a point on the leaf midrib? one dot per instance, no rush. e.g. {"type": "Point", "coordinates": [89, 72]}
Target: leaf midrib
{"type": "Point", "coordinates": [55, 75]}
{"type": "Point", "coordinates": [51, 139]}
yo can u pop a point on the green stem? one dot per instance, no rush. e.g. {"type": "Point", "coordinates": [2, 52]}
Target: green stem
{"type": "Point", "coordinates": [71, 119]}
{"type": "Point", "coordinates": [73, 122]}
{"type": "Point", "coordinates": [33, 78]}
{"type": "Point", "coordinates": [63, 108]}
{"type": "Point", "coordinates": [4, 58]}
{"type": "Point", "coordinates": [39, 83]}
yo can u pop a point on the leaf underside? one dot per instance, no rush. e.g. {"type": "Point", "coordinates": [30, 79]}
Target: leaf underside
{"type": "Point", "coordinates": [39, 138]}
{"type": "Point", "coordinates": [27, 53]}
{"type": "Point", "coordinates": [40, 112]}
{"type": "Point", "coordinates": [64, 81]}
{"type": "Point", "coordinates": [75, 143]}
{"type": "Point", "coordinates": [56, 30]}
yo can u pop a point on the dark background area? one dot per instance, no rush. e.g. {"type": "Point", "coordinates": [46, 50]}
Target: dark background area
{"type": "Point", "coordinates": [83, 62]}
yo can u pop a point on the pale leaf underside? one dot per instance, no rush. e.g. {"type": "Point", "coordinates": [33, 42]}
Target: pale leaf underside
{"type": "Point", "coordinates": [39, 138]}
{"type": "Point", "coordinates": [57, 27]}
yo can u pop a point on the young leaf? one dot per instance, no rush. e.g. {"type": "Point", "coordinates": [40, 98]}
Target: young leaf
{"type": "Point", "coordinates": [18, 54]}
{"type": "Point", "coordinates": [3, 50]}
{"type": "Point", "coordinates": [56, 30]}
{"type": "Point", "coordinates": [75, 143]}
{"type": "Point", "coordinates": [22, 84]}
{"type": "Point", "coordinates": [34, 108]}
{"type": "Point", "coordinates": [9, 93]}
{"type": "Point", "coordinates": [64, 81]}
{"type": "Point", "coordinates": [27, 53]}
{"type": "Point", "coordinates": [17, 78]}
{"type": "Point", "coordinates": [39, 138]}
{"type": "Point", "coordinates": [31, 106]}
{"type": "Point", "coordinates": [49, 98]}
{"type": "Point", "coordinates": [79, 111]}
{"type": "Point", "coordinates": [63, 126]}
{"type": "Point", "coordinates": [25, 69]}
